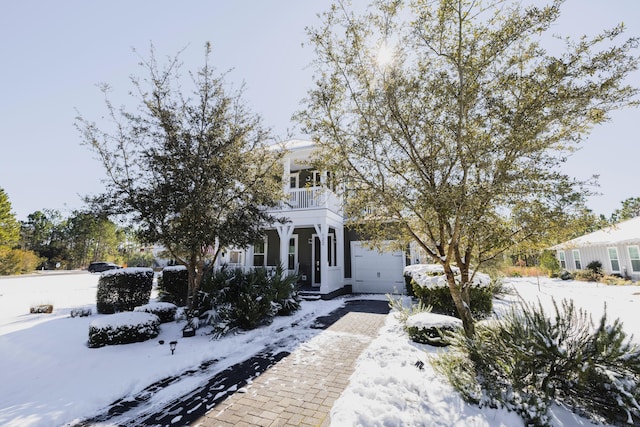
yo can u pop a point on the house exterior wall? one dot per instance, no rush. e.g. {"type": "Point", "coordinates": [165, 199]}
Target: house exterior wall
{"type": "Point", "coordinates": [601, 253]}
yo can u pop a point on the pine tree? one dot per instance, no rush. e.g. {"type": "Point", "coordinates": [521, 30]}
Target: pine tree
{"type": "Point", "coordinates": [9, 225]}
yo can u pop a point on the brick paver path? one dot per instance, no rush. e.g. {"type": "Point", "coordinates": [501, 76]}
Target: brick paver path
{"type": "Point", "coordinates": [301, 389]}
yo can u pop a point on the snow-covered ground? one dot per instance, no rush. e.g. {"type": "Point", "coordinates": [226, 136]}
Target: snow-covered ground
{"type": "Point", "coordinates": [388, 389]}
{"type": "Point", "coordinates": [49, 377]}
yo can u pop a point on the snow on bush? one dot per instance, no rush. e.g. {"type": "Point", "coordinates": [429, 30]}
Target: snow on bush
{"type": "Point", "coordinates": [42, 308]}
{"type": "Point", "coordinates": [165, 311]}
{"type": "Point", "coordinates": [432, 275]}
{"type": "Point", "coordinates": [123, 328]}
{"type": "Point", "coordinates": [431, 328]}
{"type": "Point", "coordinates": [530, 360]}
{"type": "Point", "coordinates": [81, 312]}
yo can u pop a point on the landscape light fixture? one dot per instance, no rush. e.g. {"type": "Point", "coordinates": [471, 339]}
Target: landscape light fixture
{"type": "Point", "coordinates": [172, 346]}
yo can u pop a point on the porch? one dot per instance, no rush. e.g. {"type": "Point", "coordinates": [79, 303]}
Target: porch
{"type": "Point", "coordinates": [313, 252]}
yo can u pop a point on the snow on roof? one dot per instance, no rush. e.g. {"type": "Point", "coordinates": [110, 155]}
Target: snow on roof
{"type": "Point", "coordinates": [294, 145]}
{"type": "Point", "coordinates": [622, 233]}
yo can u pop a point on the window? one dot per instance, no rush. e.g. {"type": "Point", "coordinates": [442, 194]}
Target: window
{"type": "Point", "coordinates": [331, 250]}
{"type": "Point", "coordinates": [294, 180]}
{"type": "Point", "coordinates": [634, 256]}
{"type": "Point", "coordinates": [561, 258]}
{"type": "Point", "coordinates": [576, 259]}
{"type": "Point", "coordinates": [293, 253]}
{"type": "Point", "coordinates": [235, 257]}
{"type": "Point", "coordinates": [613, 258]}
{"type": "Point", "coordinates": [259, 254]}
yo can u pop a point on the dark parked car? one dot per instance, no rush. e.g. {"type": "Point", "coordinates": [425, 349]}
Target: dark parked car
{"type": "Point", "coordinates": [97, 267]}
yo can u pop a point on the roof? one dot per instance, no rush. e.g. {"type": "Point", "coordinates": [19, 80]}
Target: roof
{"type": "Point", "coordinates": [625, 232]}
{"type": "Point", "coordinates": [294, 145]}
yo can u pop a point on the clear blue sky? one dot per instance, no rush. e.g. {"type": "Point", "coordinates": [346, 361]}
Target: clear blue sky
{"type": "Point", "coordinates": [52, 55]}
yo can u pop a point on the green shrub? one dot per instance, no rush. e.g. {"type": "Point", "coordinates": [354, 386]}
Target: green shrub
{"type": "Point", "coordinates": [173, 284]}
{"type": "Point", "coordinates": [123, 289]}
{"type": "Point", "coordinates": [123, 328]}
{"type": "Point", "coordinates": [408, 283]}
{"type": "Point", "coordinates": [165, 311]}
{"type": "Point", "coordinates": [421, 325]}
{"type": "Point", "coordinates": [233, 298]}
{"type": "Point", "coordinates": [249, 297]}
{"type": "Point", "coordinates": [527, 361]}
{"type": "Point", "coordinates": [285, 293]}
{"type": "Point", "coordinates": [441, 301]}
{"type": "Point", "coordinates": [549, 262]}
{"type": "Point", "coordinates": [431, 328]}
{"type": "Point", "coordinates": [596, 267]}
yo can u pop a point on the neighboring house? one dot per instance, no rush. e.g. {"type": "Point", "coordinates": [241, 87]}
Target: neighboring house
{"type": "Point", "coordinates": [616, 247]}
{"type": "Point", "coordinates": [329, 258]}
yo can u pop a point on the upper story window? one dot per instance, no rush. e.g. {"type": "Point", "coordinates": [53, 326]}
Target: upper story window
{"type": "Point", "coordinates": [294, 180]}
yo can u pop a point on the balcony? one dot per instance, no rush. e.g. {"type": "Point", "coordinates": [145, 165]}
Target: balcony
{"type": "Point", "coordinates": [310, 198]}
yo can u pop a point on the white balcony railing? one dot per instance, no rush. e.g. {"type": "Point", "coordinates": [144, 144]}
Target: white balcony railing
{"type": "Point", "coordinates": [310, 198]}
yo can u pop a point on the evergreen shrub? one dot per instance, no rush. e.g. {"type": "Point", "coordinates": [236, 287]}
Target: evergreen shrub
{"type": "Point", "coordinates": [596, 267]}
{"type": "Point", "coordinates": [123, 289]}
{"type": "Point", "coordinates": [233, 298]}
{"type": "Point", "coordinates": [549, 262]}
{"type": "Point", "coordinates": [408, 283]}
{"type": "Point", "coordinates": [165, 311]}
{"type": "Point", "coordinates": [431, 328]}
{"type": "Point", "coordinates": [441, 301]}
{"type": "Point", "coordinates": [123, 328]}
{"type": "Point", "coordinates": [527, 361]}
{"type": "Point", "coordinates": [173, 285]}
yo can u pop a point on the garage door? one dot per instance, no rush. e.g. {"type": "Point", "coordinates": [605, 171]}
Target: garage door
{"type": "Point", "coordinates": [376, 272]}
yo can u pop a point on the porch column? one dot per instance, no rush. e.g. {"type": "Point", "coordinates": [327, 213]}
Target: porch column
{"type": "Point", "coordinates": [340, 250]}
{"type": "Point", "coordinates": [248, 258]}
{"type": "Point", "coordinates": [285, 231]}
{"type": "Point", "coordinates": [323, 234]}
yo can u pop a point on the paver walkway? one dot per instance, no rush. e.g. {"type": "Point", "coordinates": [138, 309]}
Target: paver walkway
{"type": "Point", "coordinates": [301, 389]}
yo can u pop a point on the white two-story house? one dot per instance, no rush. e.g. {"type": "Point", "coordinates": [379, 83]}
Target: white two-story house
{"type": "Point", "coordinates": [314, 244]}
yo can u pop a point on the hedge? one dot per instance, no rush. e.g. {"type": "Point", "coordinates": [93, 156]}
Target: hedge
{"type": "Point", "coordinates": [165, 311]}
{"type": "Point", "coordinates": [123, 289]}
{"type": "Point", "coordinates": [174, 285]}
{"type": "Point", "coordinates": [123, 328]}
{"type": "Point", "coordinates": [441, 301]}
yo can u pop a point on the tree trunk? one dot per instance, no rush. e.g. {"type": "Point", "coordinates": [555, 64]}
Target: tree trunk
{"type": "Point", "coordinates": [464, 310]}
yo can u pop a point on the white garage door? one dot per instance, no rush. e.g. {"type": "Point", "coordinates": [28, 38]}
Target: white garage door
{"type": "Point", "coordinates": [376, 272]}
